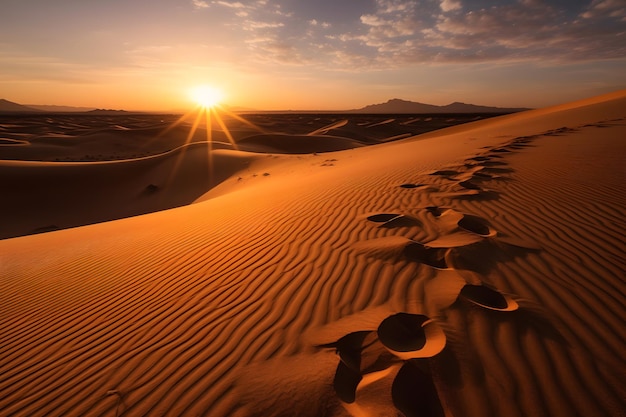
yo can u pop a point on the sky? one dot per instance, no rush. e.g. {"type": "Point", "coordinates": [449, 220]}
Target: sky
{"type": "Point", "coordinates": [305, 54]}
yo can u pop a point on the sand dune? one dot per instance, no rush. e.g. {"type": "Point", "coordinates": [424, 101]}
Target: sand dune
{"type": "Point", "coordinates": [45, 196]}
{"type": "Point", "coordinates": [473, 271]}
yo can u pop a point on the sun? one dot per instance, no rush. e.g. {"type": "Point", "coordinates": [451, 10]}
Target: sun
{"type": "Point", "coordinates": [206, 96]}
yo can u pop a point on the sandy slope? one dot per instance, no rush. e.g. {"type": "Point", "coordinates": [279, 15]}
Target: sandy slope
{"type": "Point", "coordinates": [72, 170]}
{"type": "Point", "coordinates": [477, 271]}
{"type": "Point", "coordinates": [44, 196]}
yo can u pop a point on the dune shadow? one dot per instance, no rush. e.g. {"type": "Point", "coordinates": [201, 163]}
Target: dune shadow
{"type": "Point", "coordinates": [45, 229]}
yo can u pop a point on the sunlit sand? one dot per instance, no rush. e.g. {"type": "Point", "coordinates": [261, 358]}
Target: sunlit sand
{"type": "Point", "coordinates": [254, 265]}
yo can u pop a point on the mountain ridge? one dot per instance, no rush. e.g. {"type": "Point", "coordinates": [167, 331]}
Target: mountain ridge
{"type": "Point", "coordinates": [397, 105]}
{"type": "Point", "coordinates": [11, 107]}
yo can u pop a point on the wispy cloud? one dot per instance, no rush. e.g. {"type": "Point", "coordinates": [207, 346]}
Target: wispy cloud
{"type": "Point", "coordinates": [200, 4]}
{"type": "Point", "coordinates": [606, 8]}
{"type": "Point", "coordinates": [231, 4]}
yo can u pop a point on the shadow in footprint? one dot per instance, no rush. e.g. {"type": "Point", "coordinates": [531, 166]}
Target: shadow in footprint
{"type": "Point", "coordinates": [403, 332]}
{"type": "Point", "coordinates": [476, 225]}
{"type": "Point", "coordinates": [480, 158]}
{"type": "Point", "coordinates": [467, 184]}
{"type": "Point", "coordinates": [414, 393]}
{"type": "Point", "coordinates": [435, 257]}
{"type": "Point", "coordinates": [383, 217]}
{"type": "Point", "coordinates": [349, 348]}
{"type": "Point", "coordinates": [410, 336]}
{"type": "Point", "coordinates": [488, 298]}
{"type": "Point", "coordinates": [445, 173]}
{"type": "Point", "coordinates": [346, 382]}
{"type": "Point", "coordinates": [410, 185]}
{"type": "Point", "coordinates": [391, 220]}
{"type": "Point", "coordinates": [434, 210]}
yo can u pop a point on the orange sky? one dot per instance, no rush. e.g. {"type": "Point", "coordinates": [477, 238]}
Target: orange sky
{"type": "Point", "coordinates": [293, 54]}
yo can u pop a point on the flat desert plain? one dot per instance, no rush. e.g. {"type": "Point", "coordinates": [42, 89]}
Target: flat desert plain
{"type": "Point", "coordinates": [285, 265]}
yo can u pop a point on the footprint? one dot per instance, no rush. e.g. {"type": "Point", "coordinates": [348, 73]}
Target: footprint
{"type": "Point", "coordinates": [492, 163]}
{"type": "Point", "coordinates": [488, 298]}
{"type": "Point", "coordinates": [346, 382]}
{"type": "Point", "coordinates": [411, 336]}
{"type": "Point", "coordinates": [391, 220]}
{"type": "Point", "coordinates": [468, 184]}
{"type": "Point", "coordinates": [483, 176]}
{"type": "Point", "coordinates": [413, 392]}
{"type": "Point", "coordinates": [445, 173]}
{"type": "Point", "coordinates": [435, 257]}
{"type": "Point", "coordinates": [410, 185]}
{"type": "Point", "coordinates": [399, 337]}
{"type": "Point", "coordinates": [480, 158]}
{"type": "Point", "coordinates": [476, 225]}
{"type": "Point", "coordinates": [349, 348]}
{"type": "Point", "coordinates": [434, 210]}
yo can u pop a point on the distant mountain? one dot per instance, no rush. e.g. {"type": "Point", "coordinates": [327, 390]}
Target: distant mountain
{"type": "Point", "coordinates": [396, 106]}
{"type": "Point", "coordinates": [107, 111]}
{"type": "Point", "coordinates": [11, 107]}
{"type": "Point", "coordinates": [59, 109]}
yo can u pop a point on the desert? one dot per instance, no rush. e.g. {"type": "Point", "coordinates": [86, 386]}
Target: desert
{"type": "Point", "coordinates": [314, 264]}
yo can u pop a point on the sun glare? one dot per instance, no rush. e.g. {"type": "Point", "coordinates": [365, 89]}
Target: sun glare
{"type": "Point", "coordinates": [206, 96]}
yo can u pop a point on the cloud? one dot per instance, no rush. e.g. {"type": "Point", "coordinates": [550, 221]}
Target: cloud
{"type": "Point", "coordinates": [405, 33]}
{"type": "Point", "coordinates": [607, 9]}
{"type": "Point", "coordinates": [254, 25]}
{"type": "Point", "coordinates": [232, 5]}
{"type": "Point", "coordinates": [449, 5]}
{"type": "Point", "coordinates": [314, 22]}
{"type": "Point", "coordinates": [397, 33]}
{"type": "Point", "coordinates": [200, 4]}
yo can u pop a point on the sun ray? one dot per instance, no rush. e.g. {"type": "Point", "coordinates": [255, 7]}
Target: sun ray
{"type": "Point", "coordinates": [207, 107]}
{"type": "Point", "coordinates": [209, 138]}
{"type": "Point", "coordinates": [225, 130]}
{"type": "Point", "coordinates": [183, 148]}
{"type": "Point", "coordinates": [243, 120]}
